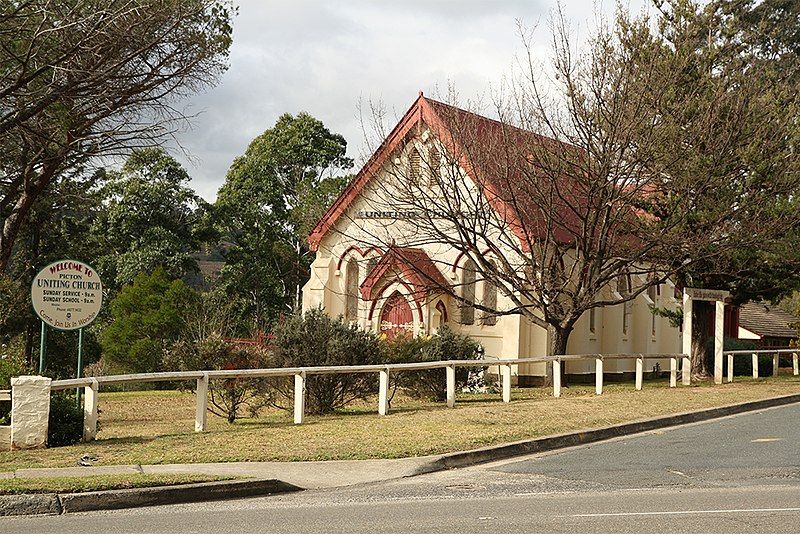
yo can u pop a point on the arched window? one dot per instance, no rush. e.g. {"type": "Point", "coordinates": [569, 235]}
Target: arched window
{"type": "Point", "coordinates": [652, 293]}
{"type": "Point", "coordinates": [489, 301]}
{"type": "Point", "coordinates": [624, 288]}
{"type": "Point", "coordinates": [414, 165]}
{"type": "Point", "coordinates": [467, 307]}
{"type": "Point", "coordinates": [351, 290]}
{"type": "Point", "coordinates": [436, 162]}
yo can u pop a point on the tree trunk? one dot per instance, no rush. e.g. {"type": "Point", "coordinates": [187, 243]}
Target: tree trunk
{"type": "Point", "coordinates": [701, 315]}
{"type": "Point", "coordinates": [558, 338]}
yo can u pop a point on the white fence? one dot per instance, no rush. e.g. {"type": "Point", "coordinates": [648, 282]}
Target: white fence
{"type": "Point", "coordinates": [91, 385]}
{"type": "Point", "coordinates": [776, 353]}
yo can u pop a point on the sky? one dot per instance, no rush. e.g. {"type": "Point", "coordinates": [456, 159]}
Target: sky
{"type": "Point", "coordinates": [325, 57]}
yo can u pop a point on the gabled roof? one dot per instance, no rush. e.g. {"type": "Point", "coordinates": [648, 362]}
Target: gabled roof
{"type": "Point", "coordinates": [412, 264]}
{"type": "Point", "coordinates": [501, 186]}
{"type": "Point", "coordinates": [767, 320]}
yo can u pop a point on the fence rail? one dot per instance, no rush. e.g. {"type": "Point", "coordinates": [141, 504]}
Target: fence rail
{"type": "Point", "coordinates": [92, 385]}
{"type": "Point", "coordinates": [754, 354]}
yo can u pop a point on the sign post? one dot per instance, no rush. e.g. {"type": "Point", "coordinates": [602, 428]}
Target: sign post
{"type": "Point", "coordinates": [66, 295]}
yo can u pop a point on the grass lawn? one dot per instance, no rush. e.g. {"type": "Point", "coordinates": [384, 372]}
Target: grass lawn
{"type": "Point", "coordinates": [154, 427]}
{"type": "Point", "coordinates": [15, 486]}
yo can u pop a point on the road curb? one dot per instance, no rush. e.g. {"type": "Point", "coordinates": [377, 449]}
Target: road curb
{"type": "Point", "coordinates": [50, 503]}
{"type": "Point", "coordinates": [560, 441]}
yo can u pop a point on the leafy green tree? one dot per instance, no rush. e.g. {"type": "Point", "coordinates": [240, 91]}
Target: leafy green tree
{"type": "Point", "coordinates": [725, 144]}
{"type": "Point", "coordinates": [152, 219]}
{"type": "Point", "coordinates": [81, 80]}
{"type": "Point", "coordinates": [271, 198]}
{"type": "Point", "coordinates": [61, 227]}
{"type": "Point", "coordinates": [148, 317]}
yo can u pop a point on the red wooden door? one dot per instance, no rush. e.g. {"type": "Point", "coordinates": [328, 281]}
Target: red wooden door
{"type": "Point", "coordinates": [396, 317]}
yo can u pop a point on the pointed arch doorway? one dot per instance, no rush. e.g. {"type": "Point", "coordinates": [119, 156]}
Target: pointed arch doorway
{"type": "Point", "coordinates": [396, 317]}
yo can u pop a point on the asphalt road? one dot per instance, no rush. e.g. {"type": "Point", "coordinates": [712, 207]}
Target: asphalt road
{"type": "Point", "coordinates": [736, 474]}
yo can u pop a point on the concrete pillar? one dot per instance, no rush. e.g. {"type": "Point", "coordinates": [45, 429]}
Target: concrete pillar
{"type": "Point", "coordinates": [90, 410]}
{"type": "Point", "coordinates": [450, 371]}
{"type": "Point", "coordinates": [639, 372]}
{"type": "Point", "coordinates": [30, 410]}
{"type": "Point", "coordinates": [755, 365]}
{"type": "Point", "coordinates": [776, 361]}
{"type": "Point", "coordinates": [719, 329]}
{"type": "Point", "coordinates": [730, 368]}
{"type": "Point", "coordinates": [673, 372]}
{"type": "Point", "coordinates": [686, 375]}
{"type": "Point", "coordinates": [556, 378]}
{"type": "Point", "coordinates": [598, 376]}
{"type": "Point", "coordinates": [299, 398]}
{"type": "Point", "coordinates": [795, 368]}
{"type": "Point", "coordinates": [505, 371]}
{"type": "Point", "coordinates": [383, 392]}
{"type": "Point", "coordinates": [201, 404]}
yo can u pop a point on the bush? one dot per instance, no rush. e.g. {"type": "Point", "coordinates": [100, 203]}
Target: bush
{"type": "Point", "coordinates": [228, 397]}
{"type": "Point", "coordinates": [446, 344]}
{"type": "Point", "coordinates": [65, 426]}
{"type": "Point", "coordinates": [148, 317]}
{"type": "Point", "coordinates": [313, 339]}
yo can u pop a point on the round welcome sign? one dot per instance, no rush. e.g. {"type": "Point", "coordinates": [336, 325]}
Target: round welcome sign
{"type": "Point", "coordinates": [67, 294]}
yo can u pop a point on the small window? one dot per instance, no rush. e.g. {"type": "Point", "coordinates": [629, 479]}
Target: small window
{"type": "Point", "coordinates": [624, 289]}
{"type": "Point", "coordinates": [351, 291]}
{"type": "Point", "coordinates": [652, 293]}
{"type": "Point", "coordinates": [489, 301]}
{"type": "Point", "coordinates": [592, 321]}
{"type": "Point", "coordinates": [436, 162]}
{"type": "Point", "coordinates": [467, 306]}
{"type": "Point", "coordinates": [414, 165]}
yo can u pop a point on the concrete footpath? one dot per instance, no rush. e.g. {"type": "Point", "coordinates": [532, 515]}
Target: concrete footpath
{"type": "Point", "coordinates": [307, 475]}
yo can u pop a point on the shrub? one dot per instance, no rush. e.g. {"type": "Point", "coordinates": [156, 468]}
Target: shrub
{"type": "Point", "coordinates": [148, 317]}
{"type": "Point", "coordinates": [65, 425]}
{"type": "Point", "coordinates": [313, 339]}
{"type": "Point", "coordinates": [446, 344]}
{"type": "Point", "coordinates": [228, 397]}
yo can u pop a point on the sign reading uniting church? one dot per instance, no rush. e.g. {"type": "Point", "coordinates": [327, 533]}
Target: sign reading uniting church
{"type": "Point", "coordinates": [67, 294]}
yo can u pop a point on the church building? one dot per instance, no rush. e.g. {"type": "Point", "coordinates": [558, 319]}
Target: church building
{"type": "Point", "coordinates": [373, 267]}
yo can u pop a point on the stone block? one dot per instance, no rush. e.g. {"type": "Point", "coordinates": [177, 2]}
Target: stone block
{"type": "Point", "coordinates": [30, 410]}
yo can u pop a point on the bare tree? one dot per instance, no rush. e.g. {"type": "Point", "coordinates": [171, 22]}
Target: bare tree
{"type": "Point", "coordinates": [83, 79]}
{"type": "Point", "coordinates": [567, 202]}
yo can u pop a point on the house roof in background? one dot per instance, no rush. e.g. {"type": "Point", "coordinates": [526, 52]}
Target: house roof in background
{"type": "Point", "coordinates": [767, 320]}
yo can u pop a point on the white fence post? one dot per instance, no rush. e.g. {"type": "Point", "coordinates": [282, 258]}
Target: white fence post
{"type": "Point", "coordinates": [383, 392]}
{"type": "Point", "coordinates": [755, 365]}
{"type": "Point", "coordinates": [673, 372]}
{"type": "Point", "coordinates": [776, 360]}
{"type": "Point", "coordinates": [686, 375]}
{"type": "Point", "coordinates": [730, 368]}
{"type": "Point", "coordinates": [30, 411]}
{"type": "Point", "coordinates": [299, 398]}
{"type": "Point", "coordinates": [201, 404]}
{"type": "Point", "coordinates": [450, 371]}
{"type": "Point", "coordinates": [598, 376]}
{"type": "Point", "coordinates": [505, 371]}
{"type": "Point", "coordinates": [639, 372]}
{"type": "Point", "coordinates": [90, 410]}
{"type": "Point", "coordinates": [556, 378]}
{"type": "Point", "coordinates": [795, 368]}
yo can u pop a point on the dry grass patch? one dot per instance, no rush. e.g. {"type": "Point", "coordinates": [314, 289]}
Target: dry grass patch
{"type": "Point", "coordinates": [157, 426]}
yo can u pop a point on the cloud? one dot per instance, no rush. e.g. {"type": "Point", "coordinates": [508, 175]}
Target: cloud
{"type": "Point", "coordinates": [323, 57]}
